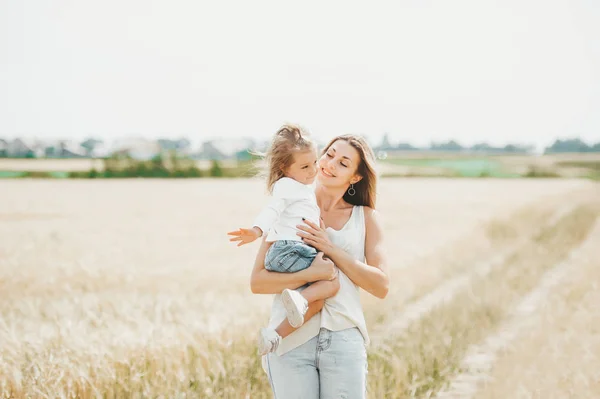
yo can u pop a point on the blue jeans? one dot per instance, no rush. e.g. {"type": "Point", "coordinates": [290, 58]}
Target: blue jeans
{"type": "Point", "coordinates": [332, 365]}
{"type": "Point", "coordinates": [288, 256]}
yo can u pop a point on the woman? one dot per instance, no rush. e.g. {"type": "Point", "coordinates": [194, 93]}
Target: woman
{"type": "Point", "coordinates": [326, 358]}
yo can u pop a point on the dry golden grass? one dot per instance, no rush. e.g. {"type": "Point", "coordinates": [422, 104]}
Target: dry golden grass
{"type": "Point", "coordinates": [559, 357]}
{"type": "Point", "coordinates": [130, 288]}
{"type": "Point", "coordinates": [419, 360]}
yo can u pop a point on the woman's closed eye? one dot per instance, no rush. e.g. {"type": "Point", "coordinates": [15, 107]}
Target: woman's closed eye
{"type": "Point", "coordinates": [341, 163]}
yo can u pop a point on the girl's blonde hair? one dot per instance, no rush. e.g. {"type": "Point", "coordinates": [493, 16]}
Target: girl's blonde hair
{"type": "Point", "coordinates": [288, 140]}
{"type": "Point", "coordinates": [366, 188]}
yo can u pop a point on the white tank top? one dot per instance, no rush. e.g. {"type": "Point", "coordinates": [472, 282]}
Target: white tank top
{"type": "Point", "coordinates": [342, 311]}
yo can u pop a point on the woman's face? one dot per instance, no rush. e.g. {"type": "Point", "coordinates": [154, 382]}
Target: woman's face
{"type": "Point", "coordinates": [338, 166]}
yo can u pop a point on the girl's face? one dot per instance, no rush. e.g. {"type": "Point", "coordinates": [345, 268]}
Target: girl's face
{"type": "Point", "coordinates": [304, 167]}
{"type": "Point", "coordinates": [338, 166]}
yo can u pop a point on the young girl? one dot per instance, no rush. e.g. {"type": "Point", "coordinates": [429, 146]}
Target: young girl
{"type": "Point", "coordinates": [292, 166]}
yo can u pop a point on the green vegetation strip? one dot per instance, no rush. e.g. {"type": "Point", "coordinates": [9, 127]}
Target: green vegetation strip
{"type": "Point", "coordinates": [34, 174]}
{"type": "Point", "coordinates": [177, 167]}
{"type": "Point", "coordinates": [467, 167]}
{"type": "Point", "coordinates": [11, 174]}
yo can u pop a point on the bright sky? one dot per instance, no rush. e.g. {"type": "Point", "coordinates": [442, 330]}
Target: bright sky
{"type": "Point", "coordinates": [497, 71]}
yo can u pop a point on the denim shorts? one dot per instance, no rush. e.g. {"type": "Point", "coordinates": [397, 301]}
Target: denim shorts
{"type": "Point", "coordinates": [288, 256]}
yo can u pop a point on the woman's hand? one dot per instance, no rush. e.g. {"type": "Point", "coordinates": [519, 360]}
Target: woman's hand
{"type": "Point", "coordinates": [321, 269]}
{"type": "Point", "coordinates": [315, 236]}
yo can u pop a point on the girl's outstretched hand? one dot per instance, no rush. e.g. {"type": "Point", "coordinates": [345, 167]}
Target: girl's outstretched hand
{"type": "Point", "coordinates": [245, 236]}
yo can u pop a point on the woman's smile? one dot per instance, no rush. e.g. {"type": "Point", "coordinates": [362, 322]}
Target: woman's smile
{"type": "Point", "coordinates": [327, 174]}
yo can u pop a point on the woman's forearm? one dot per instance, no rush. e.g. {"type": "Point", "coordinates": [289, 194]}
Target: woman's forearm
{"type": "Point", "coordinates": [263, 281]}
{"type": "Point", "coordinates": [371, 279]}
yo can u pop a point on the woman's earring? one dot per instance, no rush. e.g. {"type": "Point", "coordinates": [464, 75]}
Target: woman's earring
{"type": "Point", "coordinates": [351, 190]}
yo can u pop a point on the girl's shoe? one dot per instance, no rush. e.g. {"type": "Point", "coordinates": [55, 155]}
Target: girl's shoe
{"type": "Point", "coordinates": [295, 307]}
{"type": "Point", "coordinates": [268, 341]}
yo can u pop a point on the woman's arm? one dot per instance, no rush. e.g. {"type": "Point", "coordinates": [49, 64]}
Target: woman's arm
{"type": "Point", "coordinates": [371, 276]}
{"type": "Point", "coordinates": [263, 281]}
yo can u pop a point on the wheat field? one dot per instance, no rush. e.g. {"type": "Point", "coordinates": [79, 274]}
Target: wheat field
{"type": "Point", "coordinates": [130, 288]}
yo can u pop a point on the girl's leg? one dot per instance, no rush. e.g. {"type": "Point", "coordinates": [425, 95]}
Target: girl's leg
{"type": "Point", "coordinates": [321, 290]}
{"type": "Point", "coordinates": [268, 339]}
{"type": "Point", "coordinates": [285, 328]}
{"type": "Point", "coordinates": [294, 375]}
{"type": "Point", "coordinates": [296, 302]}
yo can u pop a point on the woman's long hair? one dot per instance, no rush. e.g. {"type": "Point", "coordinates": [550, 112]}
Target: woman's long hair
{"type": "Point", "coordinates": [366, 188]}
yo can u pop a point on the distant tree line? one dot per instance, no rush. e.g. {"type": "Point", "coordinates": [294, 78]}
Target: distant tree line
{"type": "Point", "coordinates": [211, 151]}
{"type": "Point", "coordinates": [559, 146]}
{"type": "Point", "coordinates": [573, 145]}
